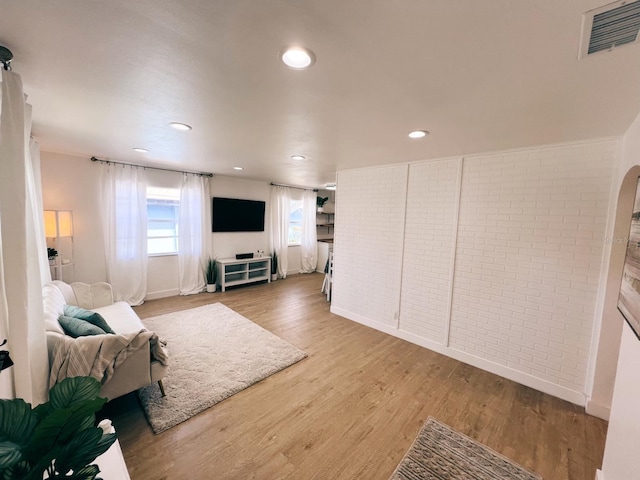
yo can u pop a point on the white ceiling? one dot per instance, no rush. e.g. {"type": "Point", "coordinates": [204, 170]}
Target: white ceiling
{"type": "Point", "coordinates": [480, 75]}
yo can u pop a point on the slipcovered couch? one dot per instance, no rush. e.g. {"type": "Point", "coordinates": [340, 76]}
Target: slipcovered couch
{"type": "Point", "coordinates": [143, 364]}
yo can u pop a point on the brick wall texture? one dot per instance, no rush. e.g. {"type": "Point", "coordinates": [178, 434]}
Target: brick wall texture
{"type": "Point", "coordinates": [498, 256]}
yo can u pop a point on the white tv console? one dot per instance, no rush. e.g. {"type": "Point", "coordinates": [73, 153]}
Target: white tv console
{"type": "Point", "coordinates": [232, 271]}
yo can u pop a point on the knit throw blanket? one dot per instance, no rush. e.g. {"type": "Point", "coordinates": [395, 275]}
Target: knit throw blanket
{"type": "Point", "coordinates": [99, 355]}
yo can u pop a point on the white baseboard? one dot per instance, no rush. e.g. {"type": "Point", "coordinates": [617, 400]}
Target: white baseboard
{"type": "Point", "coordinates": [599, 475]}
{"type": "Point", "coordinates": [162, 294]}
{"type": "Point", "coordinates": [597, 410]}
{"type": "Point", "coordinates": [544, 386]}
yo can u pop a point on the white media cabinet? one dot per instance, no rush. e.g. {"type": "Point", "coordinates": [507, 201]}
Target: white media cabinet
{"type": "Point", "coordinates": [232, 271]}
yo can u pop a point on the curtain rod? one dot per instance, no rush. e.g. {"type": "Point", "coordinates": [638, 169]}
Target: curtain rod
{"type": "Point", "coordinates": [293, 186]}
{"type": "Point", "coordinates": [202, 174]}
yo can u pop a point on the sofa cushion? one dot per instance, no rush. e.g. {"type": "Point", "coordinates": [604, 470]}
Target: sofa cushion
{"type": "Point", "coordinates": [53, 303]}
{"type": "Point", "coordinates": [67, 292]}
{"type": "Point", "coordinates": [121, 317]}
{"type": "Point", "coordinates": [76, 327]}
{"type": "Point", "coordinates": [92, 317]}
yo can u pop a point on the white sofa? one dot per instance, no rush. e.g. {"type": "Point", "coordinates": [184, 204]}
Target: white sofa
{"type": "Point", "coordinates": [139, 369]}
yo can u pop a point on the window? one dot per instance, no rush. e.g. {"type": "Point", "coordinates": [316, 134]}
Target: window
{"type": "Point", "coordinates": [295, 222]}
{"type": "Point", "coordinates": [163, 205]}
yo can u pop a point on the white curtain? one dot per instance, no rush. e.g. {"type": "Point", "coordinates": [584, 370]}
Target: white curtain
{"type": "Point", "coordinates": [279, 226]}
{"type": "Point", "coordinates": [36, 199]}
{"type": "Point", "coordinates": [194, 236]}
{"type": "Point", "coordinates": [22, 250]}
{"type": "Point", "coordinates": [124, 221]}
{"type": "Point", "coordinates": [309, 240]}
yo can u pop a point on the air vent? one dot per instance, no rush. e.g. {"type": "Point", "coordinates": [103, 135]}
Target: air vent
{"type": "Point", "coordinates": [611, 26]}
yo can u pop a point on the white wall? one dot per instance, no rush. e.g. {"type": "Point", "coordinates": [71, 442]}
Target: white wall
{"type": "Point", "coordinates": [228, 244]}
{"type": "Point", "coordinates": [72, 183]}
{"type": "Point", "coordinates": [528, 230]}
{"type": "Point", "coordinates": [370, 209]}
{"type": "Point", "coordinates": [621, 461]}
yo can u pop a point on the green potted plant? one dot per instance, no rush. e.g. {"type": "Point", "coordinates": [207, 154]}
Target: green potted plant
{"type": "Point", "coordinates": [52, 253]}
{"type": "Point", "coordinates": [320, 201]}
{"type": "Point", "coordinates": [212, 274]}
{"type": "Point", "coordinates": [274, 266]}
{"type": "Point", "coordinates": [58, 437]}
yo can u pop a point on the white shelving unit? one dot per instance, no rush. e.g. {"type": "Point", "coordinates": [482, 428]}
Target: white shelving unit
{"type": "Point", "coordinates": [324, 225]}
{"type": "Point", "coordinates": [232, 271]}
{"type": "Point", "coordinates": [59, 232]}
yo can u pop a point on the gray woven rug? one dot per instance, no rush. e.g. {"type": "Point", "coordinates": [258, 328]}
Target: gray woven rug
{"type": "Point", "coordinates": [440, 453]}
{"type": "Point", "coordinates": [214, 352]}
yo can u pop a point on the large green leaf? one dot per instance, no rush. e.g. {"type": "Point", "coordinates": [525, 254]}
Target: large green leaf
{"type": "Point", "coordinates": [62, 425]}
{"type": "Point", "coordinates": [72, 391]}
{"type": "Point", "coordinates": [17, 421]}
{"type": "Point", "coordinates": [19, 471]}
{"type": "Point", "coordinates": [83, 449]}
{"type": "Point", "coordinates": [85, 473]}
{"type": "Point", "coordinates": [10, 454]}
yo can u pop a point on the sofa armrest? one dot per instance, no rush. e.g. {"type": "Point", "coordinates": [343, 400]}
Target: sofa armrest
{"type": "Point", "coordinates": [94, 295]}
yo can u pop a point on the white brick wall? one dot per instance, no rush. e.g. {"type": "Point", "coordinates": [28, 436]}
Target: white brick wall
{"type": "Point", "coordinates": [369, 228]}
{"type": "Point", "coordinates": [530, 241]}
{"type": "Point", "coordinates": [528, 254]}
{"type": "Point", "coordinates": [428, 248]}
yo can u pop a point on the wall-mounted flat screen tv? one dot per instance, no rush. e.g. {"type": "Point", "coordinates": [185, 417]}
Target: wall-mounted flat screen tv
{"type": "Point", "coordinates": [237, 215]}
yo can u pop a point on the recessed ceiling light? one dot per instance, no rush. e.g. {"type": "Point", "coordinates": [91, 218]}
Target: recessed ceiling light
{"type": "Point", "coordinates": [418, 134]}
{"type": "Point", "coordinates": [297, 157]}
{"type": "Point", "coordinates": [237, 168]}
{"type": "Point", "coordinates": [297, 58]}
{"type": "Point", "coordinates": [141, 150]}
{"type": "Point", "coordinates": [330, 186]}
{"type": "Point", "coordinates": [180, 126]}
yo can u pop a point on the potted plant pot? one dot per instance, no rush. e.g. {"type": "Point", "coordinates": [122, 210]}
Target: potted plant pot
{"type": "Point", "coordinates": [52, 253]}
{"type": "Point", "coordinates": [320, 201]}
{"type": "Point", "coordinates": [211, 275]}
{"type": "Point", "coordinates": [274, 266]}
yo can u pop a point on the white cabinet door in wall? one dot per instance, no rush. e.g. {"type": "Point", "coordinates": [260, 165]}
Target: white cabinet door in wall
{"type": "Point", "coordinates": [368, 243]}
{"type": "Point", "coordinates": [429, 248]}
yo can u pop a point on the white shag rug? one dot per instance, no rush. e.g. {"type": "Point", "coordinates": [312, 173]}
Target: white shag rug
{"type": "Point", "coordinates": [214, 352]}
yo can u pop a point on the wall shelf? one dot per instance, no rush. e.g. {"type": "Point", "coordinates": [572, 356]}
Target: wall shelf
{"type": "Point", "coordinates": [59, 232]}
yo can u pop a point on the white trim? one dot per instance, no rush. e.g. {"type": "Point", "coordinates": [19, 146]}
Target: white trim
{"type": "Point", "coordinates": [599, 474]}
{"type": "Point", "coordinates": [602, 282]}
{"type": "Point", "coordinates": [454, 250]}
{"type": "Point", "coordinates": [597, 410]}
{"type": "Point", "coordinates": [529, 148]}
{"type": "Point", "coordinates": [162, 294]}
{"type": "Point", "coordinates": [544, 386]}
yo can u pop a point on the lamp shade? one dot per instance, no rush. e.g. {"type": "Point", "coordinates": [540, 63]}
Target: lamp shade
{"type": "Point", "coordinates": [58, 223]}
{"type": "Point", "coordinates": [65, 223]}
{"type": "Point", "coordinates": [50, 224]}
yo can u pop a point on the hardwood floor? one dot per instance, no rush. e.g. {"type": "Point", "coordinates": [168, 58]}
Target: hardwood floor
{"type": "Point", "coordinates": [352, 408]}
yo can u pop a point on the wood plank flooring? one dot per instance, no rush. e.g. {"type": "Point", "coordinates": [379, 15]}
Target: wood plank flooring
{"type": "Point", "coordinates": [352, 408]}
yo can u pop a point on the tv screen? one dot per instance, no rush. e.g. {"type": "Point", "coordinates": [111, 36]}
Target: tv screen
{"type": "Point", "coordinates": [236, 215]}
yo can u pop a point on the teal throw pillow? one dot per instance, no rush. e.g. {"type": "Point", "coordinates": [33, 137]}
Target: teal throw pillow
{"type": "Point", "coordinates": [76, 327]}
{"type": "Point", "coordinates": [87, 315]}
